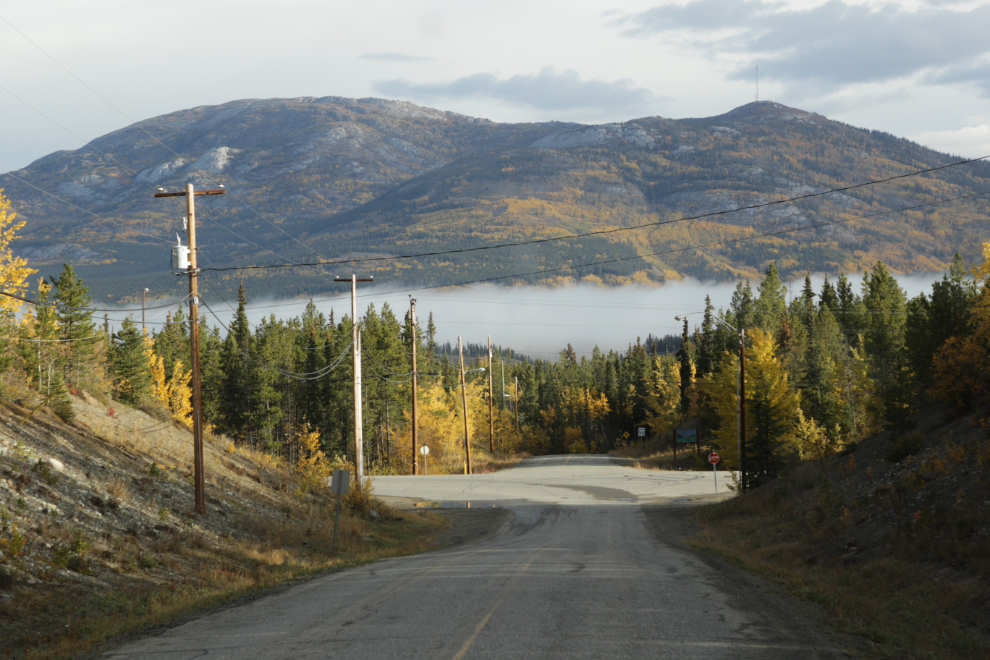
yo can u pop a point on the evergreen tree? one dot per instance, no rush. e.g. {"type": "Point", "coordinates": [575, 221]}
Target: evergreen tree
{"type": "Point", "coordinates": [742, 305]}
{"type": "Point", "coordinates": [771, 302]}
{"type": "Point", "coordinates": [706, 341]}
{"type": "Point", "coordinates": [235, 366]}
{"type": "Point", "coordinates": [829, 298]}
{"type": "Point", "coordinates": [75, 320]}
{"type": "Point", "coordinates": [132, 380]}
{"type": "Point", "coordinates": [850, 313]}
{"type": "Point", "coordinates": [884, 301]}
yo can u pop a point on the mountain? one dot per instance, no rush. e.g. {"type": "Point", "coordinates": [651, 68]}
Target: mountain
{"type": "Point", "coordinates": [336, 178]}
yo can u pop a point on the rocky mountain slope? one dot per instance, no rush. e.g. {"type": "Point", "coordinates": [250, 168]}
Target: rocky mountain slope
{"type": "Point", "coordinates": [333, 178]}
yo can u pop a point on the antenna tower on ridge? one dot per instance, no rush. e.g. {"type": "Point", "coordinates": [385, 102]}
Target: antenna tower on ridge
{"type": "Point", "coordinates": [757, 83]}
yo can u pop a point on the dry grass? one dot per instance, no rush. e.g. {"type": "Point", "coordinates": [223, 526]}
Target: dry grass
{"type": "Point", "coordinates": [913, 583]}
{"type": "Point", "coordinates": [269, 553]}
{"type": "Point", "coordinates": [657, 455]}
{"type": "Point", "coordinates": [119, 488]}
{"type": "Point", "coordinates": [139, 557]}
{"type": "Point", "coordinates": [483, 461]}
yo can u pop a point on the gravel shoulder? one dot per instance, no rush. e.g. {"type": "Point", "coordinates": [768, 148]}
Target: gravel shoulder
{"type": "Point", "coordinates": [674, 524]}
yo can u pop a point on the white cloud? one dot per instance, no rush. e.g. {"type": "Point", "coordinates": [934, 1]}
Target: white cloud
{"type": "Point", "coordinates": [828, 46]}
{"type": "Point", "coordinates": [547, 89]}
{"type": "Point", "coordinates": [968, 142]}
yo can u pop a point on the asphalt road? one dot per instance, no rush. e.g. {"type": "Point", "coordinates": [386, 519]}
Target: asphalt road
{"type": "Point", "coordinates": [577, 571]}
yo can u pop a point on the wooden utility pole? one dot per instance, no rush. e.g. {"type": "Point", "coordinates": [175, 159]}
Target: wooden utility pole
{"type": "Point", "coordinates": [742, 407]}
{"type": "Point", "coordinates": [467, 439]}
{"type": "Point", "coordinates": [197, 396]}
{"type": "Point", "coordinates": [143, 294]}
{"type": "Point", "coordinates": [517, 410]}
{"type": "Point", "coordinates": [491, 397]}
{"type": "Point", "coordinates": [415, 402]}
{"type": "Point", "coordinates": [356, 352]}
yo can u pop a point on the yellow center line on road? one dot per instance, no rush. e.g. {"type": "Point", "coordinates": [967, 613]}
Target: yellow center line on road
{"type": "Point", "coordinates": [498, 601]}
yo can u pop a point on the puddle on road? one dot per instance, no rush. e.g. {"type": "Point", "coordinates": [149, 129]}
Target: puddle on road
{"type": "Point", "coordinates": [455, 505]}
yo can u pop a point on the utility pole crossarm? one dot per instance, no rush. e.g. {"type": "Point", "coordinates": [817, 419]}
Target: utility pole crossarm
{"type": "Point", "coordinates": [196, 192]}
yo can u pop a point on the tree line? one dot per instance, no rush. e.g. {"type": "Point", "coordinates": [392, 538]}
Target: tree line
{"type": "Point", "coordinates": [824, 369]}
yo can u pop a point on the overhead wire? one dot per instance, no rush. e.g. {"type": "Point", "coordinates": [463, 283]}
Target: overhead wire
{"type": "Point", "coordinates": [676, 250]}
{"type": "Point", "coordinates": [309, 376]}
{"type": "Point", "coordinates": [477, 248]}
{"type": "Point", "coordinates": [661, 223]}
{"type": "Point", "coordinates": [146, 132]}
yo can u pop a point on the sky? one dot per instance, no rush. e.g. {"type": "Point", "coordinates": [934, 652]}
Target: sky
{"type": "Point", "coordinates": [72, 71]}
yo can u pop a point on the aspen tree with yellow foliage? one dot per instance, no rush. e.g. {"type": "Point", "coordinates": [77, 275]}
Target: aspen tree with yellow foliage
{"type": "Point", "coordinates": [14, 271]}
{"type": "Point", "coordinates": [771, 410]}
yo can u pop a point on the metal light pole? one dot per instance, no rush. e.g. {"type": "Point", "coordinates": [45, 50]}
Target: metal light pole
{"type": "Point", "coordinates": [143, 294]}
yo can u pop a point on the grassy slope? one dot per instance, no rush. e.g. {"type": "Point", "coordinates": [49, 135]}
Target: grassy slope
{"type": "Point", "coordinates": [898, 552]}
{"type": "Point", "coordinates": [104, 541]}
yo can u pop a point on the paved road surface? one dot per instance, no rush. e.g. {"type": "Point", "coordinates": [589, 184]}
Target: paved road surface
{"type": "Point", "coordinates": [575, 572]}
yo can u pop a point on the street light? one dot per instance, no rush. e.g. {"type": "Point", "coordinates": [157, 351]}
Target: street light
{"type": "Point", "coordinates": [143, 294]}
{"type": "Point", "coordinates": [740, 396]}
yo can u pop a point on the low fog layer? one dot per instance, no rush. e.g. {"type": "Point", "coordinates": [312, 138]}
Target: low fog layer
{"type": "Point", "coordinates": [532, 320]}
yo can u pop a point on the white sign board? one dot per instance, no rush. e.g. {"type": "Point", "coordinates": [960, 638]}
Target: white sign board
{"type": "Point", "coordinates": [340, 482]}
{"type": "Point", "coordinates": [424, 450]}
{"type": "Point", "coordinates": [641, 431]}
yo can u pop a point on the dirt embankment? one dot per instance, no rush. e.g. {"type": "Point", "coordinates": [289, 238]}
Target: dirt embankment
{"type": "Point", "coordinates": [98, 534]}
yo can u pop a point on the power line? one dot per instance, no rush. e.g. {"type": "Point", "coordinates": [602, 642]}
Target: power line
{"type": "Point", "coordinates": [620, 229]}
{"type": "Point", "coordinates": [303, 377]}
{"type": "Point", "coordinates": [85, 143]}
{"type": "Point", "coordinates": [95, 215]}
{"type": "Point", "coordinates": [52, 341]}
{"type": "Point", "coordinates": [146, 132]}
{"type": "Point", "coordinates": [39, 303]}
{"type": "Point", "coordinates": [683, 249]}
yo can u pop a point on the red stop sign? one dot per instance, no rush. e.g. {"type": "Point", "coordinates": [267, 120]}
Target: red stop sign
{"type": "Point", "coordinates": [713, 458]}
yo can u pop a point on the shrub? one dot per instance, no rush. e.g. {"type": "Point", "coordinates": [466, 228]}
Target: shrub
{"type": "Point", "coordinates": [46, 472]}
{"type": "Point", "coordinates": [905, 446]}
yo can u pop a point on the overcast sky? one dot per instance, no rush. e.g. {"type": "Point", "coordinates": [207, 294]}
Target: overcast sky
{"type": "Point", "coordinates": [916, 69]}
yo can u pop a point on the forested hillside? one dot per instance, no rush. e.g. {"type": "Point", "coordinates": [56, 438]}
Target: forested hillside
{"type": "Point", "coordinates": [333, 178]}
{"type": "Point", "coordinates": [823, 370]}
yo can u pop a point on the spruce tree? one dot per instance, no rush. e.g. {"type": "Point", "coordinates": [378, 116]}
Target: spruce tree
{"type": "Point", "coordinates": [771, 302]}
{"type": "Point", "coordinates": [828, 296]}
{"type": "Point", "coordinates": [132, 380]}
{"type": "Point", "coordinates": [235, 361]}
{"type": "Point", "coordinates": [75, 321]}
{"type": "Point", "coordinates": [742, 305]}
{"type": "Point", "coordinates": [707, 356]}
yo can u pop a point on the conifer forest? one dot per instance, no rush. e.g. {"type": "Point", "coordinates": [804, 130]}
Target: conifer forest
{"type": "Point", "coordinates": [822, 370]}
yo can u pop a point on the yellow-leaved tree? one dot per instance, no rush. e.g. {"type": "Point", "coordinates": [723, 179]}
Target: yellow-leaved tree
{"type": "Point", "coordinates": [663, 396]}
{"type": "Point", "coordinates": [771, 410]}
{"type": "Point", "coordinates": [14, 271]}
{"type": "Point", "coordinates": [314, 467]}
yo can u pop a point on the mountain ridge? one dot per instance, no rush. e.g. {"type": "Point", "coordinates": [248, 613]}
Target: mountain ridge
{"type": "Point", "coordinates": [345, 176]}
